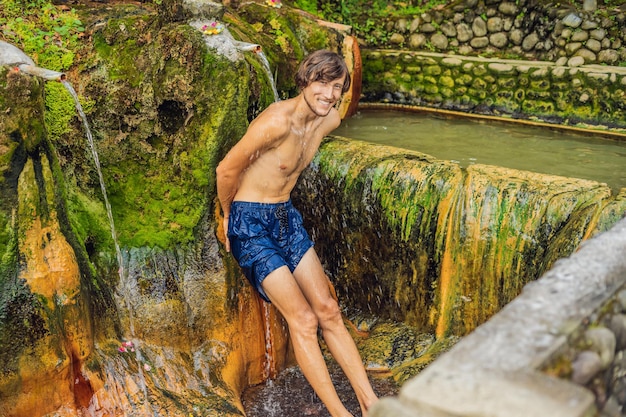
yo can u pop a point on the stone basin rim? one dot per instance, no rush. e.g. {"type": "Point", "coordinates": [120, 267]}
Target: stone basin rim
{"type": "Point", "coordinates": [605, 134]}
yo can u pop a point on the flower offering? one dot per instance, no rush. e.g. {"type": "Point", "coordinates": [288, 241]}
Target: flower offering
{"type": "Point", "coordinates": [273, 3]}
{"type": "Point", "coordinates": [213, 28]}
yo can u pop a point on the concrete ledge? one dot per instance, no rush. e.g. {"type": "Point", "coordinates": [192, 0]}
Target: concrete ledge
{"type": "Point", "coordinates": [450, 392]}
{"type": "Point", "coordinates": [495, 370]}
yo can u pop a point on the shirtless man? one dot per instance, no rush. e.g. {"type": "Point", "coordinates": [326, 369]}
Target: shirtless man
{"type": "Point", "coordinates": [265, 232]}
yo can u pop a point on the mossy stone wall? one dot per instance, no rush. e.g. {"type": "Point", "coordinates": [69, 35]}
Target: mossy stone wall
{"type": "Point", "coordinates": [526, 29]}
{"type": "Point", "coordinates": [547, 91]}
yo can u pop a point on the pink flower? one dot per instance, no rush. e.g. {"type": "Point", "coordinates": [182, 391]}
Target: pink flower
{"type": "Point", "coordinates": [213, 28]}
{"type": "Point", "coordinates": [126, 346]}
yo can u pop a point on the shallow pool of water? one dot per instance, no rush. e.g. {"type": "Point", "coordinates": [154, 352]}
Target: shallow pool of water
{"type": "Point", "coordinates": [468, 141]}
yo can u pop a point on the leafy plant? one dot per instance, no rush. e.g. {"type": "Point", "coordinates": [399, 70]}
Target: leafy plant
{"type": "Point", "coordinates": [280, 38]}
{"type": "Point", "coordinates": [306, 5]}
{"type": "Point", "coordinates": [366, 17]}
{"type": "Point", "coordinates": [49, 36]}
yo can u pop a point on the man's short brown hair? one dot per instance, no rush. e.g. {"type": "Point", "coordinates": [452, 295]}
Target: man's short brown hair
{"type": "Point", "coordinates": [322, 65]}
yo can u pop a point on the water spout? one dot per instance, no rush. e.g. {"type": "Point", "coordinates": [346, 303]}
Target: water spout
{"type": "Point", "coordinates": [11, 55]}
{"type": "Point", "coordinates": [256, 48]}
{"type": "Point", "coordinates": [247, 47]}
{"type": "Point", "coordinates": [44, 73]}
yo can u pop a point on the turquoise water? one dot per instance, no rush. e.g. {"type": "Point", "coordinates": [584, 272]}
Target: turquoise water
{"type": "Point", "coordinates": [469, 141]}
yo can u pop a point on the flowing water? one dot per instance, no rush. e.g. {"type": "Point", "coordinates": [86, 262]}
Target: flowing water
{"type": "Point", "coordinates": [270, 362]}
{"type": "Point", "coordinates": [268, 71]}
{"type": "Point", "coordinates": [290, 395]}
{"type": "Point", "coordinates": [96, 160]}
{"type": "Point", "coordinates": [124, 281]}
{"type": "Point", "coordinates": [517, 146]}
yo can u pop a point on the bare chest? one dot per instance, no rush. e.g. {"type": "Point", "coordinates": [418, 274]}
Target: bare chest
{"type": "Point", "coordinates": [293, 155]}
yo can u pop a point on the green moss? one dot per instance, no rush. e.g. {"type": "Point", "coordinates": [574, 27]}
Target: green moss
{"type": "Point", "coordinates": [371, 70]}
{"type": "Point", "coordinates": [8, 249]}
{"type": "Point", "coordinates": [60, 110]}
{"type": "Point", "coordinates": [312, 36]}
{"type": "Point", "coordinates": [160, 178]}
{"type": "Point", "coordinates": [89, 222]}
{"type": "Point", "coordinates": [121, 43]}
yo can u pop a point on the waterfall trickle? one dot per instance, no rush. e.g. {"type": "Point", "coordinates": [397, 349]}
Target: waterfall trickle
{"type": "Point", "coordinates": [252, 47]}
{"type": "Point", "coordinates": [270, 363]}
{"type": "Point", "coordinates": [124, 281]}
{"type": "Point", "coordinates": [96, 159]}
{"type": "Point", "coordinates": [268, 71]}
{"type": "Point", "coordinates": [216, 36]}
{"type": "Point", "coordinates": [269, 370]}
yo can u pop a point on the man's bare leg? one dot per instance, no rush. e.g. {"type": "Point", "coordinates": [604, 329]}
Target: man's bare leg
{"type": "Point", "coordinates": [284, 292]}
{"type": "Point", "coordinates": [314, 284]}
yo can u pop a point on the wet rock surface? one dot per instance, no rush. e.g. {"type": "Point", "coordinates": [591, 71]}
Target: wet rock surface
{"type": "Point", "coordinates": [290, 395]}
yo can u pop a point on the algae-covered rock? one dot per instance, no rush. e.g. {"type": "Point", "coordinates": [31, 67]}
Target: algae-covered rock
{"type": "Point", "coordinates": [161, 106]}
{"type": "Point", "coordinates": [380, 225]}
{"type": "Point", "coordinates": [21, 124]}
{"type": "Point", "coordinates": [167, 325]}
{"type": "Point", "coordinates": [612, 212]}
{"type": "Point", "coordinates": [510, 227]}
{"type": "Point", "coordinates": [415, 239]}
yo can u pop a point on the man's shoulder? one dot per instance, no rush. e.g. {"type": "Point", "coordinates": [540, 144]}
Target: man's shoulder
{"type": "Point", "coordinates": [273, 122]}
{"type": "Point", "coordinates": [277, 111]}
{"type": "Point", "coordinates": [333, 119]}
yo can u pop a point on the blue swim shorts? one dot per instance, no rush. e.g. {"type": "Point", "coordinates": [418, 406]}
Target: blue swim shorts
{"type": "Point", "coordinates": [266, 236]}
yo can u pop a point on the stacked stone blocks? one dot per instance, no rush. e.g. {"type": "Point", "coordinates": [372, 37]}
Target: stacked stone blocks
{"type": "Point", "coordinates": [550, 91]}
{"type": "Point", "coordinates": [525, 29]}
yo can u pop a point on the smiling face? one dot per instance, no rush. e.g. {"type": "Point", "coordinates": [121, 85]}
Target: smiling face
{"type": "Point", "coordinates": [321, 96]}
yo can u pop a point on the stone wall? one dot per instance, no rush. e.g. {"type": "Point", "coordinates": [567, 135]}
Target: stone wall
{"type": "Point", "coordinates": [547, 353]}
{"type": "Point", "coordinates": [550, 91]}
{"type": "Point", "coordinates": [524, 29]}
{"type": "Point", "coordinates": [595, 356]}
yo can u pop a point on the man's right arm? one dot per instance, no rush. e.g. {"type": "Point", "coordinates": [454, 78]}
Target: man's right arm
{"type": "Point", "coordinates": [227, 184]}
{"type": "Point", "coordinates": [262, 134]}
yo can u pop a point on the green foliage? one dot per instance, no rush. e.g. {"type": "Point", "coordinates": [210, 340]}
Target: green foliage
{"type": "Point", "coordinates": [306, 5]}
{"type": "Point", "coordinates": [89, 221]}
{"type": "Point", "coordinates": [46, 34]}
{"type": "Point", "coordinates": [8, 244]}
{"type": "Point", "coordinates": [366, 18]}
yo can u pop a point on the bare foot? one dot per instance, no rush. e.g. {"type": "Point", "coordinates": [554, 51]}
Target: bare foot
{"type": "Point", "coordinates": [365, 409]}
